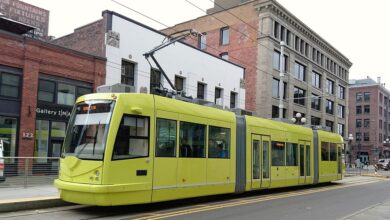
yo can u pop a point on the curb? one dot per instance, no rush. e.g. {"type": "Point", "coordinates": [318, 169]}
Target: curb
{"type": "Point", "coordinates": [31, 203]}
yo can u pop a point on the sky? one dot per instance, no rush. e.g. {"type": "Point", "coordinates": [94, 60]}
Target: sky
{"type": "Point", "coordinates": [356, 28]}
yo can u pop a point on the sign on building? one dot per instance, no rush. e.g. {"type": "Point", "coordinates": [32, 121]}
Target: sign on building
{"type": "Point", "coordinates": [27, 14]}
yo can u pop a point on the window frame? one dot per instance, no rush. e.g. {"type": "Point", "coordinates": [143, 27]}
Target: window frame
{"type": "Point", "coordinates": [141, 137]}
{"type": "Point", "coordinates": [19, 86]}
{"type": "Point", "coordinates": [228, 144]}
{"type": "Point", "coordinates": [156, 143]}
{"type": "Point", "coordinates": [223, 41]}
{"type": "Point", "coordinates": [129, 77]}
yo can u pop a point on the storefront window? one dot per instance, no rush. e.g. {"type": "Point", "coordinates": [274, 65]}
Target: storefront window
{"type": "Point", "coordinates": [41, 140]}
{"type": "Point", "coordinates": [82, 91]}
{"type": "Point", "coordinates": [66, 94]}
{"type": "Point", "coordinates": [57, 129]}
{"type": "Point", "coordinates": [8, 135]}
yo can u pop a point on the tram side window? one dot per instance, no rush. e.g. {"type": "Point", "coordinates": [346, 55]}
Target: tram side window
{"type": "Point", "coordinates": [333, 152]}
{"type": "Point", "coordinates": [278, 154]}
{"type": "Point", "coordinates": [132, 139]}
{"type": "Point", "coordinates": [219, 142]}
{"type": "Point", "coordinates": [324, 151]}
{"type": "Point", "coordinates": [192, 140]}
{"type": "Point", "coordinates": [166, 138]}
{"type": "Point", "coordinates": [292, 154]}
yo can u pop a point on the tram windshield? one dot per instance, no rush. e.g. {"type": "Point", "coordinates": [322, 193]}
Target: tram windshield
{"type": "Point", "coordinates": [87, 130]}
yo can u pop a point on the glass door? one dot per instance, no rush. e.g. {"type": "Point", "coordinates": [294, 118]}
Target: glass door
{"type": "Point", "coordinates": [266, 143]}
{"type": "Point", "coordinates": [256, 178]}
{"type": "Point", "coordinates": [302, 164]}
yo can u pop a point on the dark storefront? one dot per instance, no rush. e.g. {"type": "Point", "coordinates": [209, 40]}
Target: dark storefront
{"type": "Point", "coordinates": [56, 97]}
{"type": "Point", "coordinates": [10, 85]}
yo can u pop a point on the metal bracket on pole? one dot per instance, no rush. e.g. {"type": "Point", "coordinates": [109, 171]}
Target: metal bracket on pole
{"type": "Point", "coordinates": [281, 75]}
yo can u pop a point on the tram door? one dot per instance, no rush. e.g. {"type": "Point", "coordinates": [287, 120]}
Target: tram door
{"type": "Point", "coordinates": [339, 162]}
{"type": "Point", "coordinates": [304, 161]}
{"type": "Point", "coordinates": [260, 161]}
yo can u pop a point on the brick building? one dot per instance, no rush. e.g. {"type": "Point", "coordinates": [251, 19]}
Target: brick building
{"type": "Point", "coordinates": [39, 83]}
{"type": "Point", "coordinates": [368, 120]}
{"type": "Point", "coordinates": [249, 33]}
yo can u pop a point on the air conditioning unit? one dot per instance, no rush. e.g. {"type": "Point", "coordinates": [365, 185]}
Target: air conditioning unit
{"type": "Point", "coordinates": [116, 88]}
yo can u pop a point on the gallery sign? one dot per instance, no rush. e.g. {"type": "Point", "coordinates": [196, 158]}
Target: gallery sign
{"type": "Point", "coordinates": [27, 14]}
{"type": "Point", "coordinates": [53, 112]}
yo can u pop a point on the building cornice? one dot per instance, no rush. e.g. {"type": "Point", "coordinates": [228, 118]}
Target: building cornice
{"type": "Point", "coordinates": [282, 13]}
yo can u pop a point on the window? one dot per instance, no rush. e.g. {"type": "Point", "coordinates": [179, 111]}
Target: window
{"type": "Point", "coordinates": [275, 112]}
{"type": "Point", "coordinates": [315, 102]}
{"type": "Point", "coordinates": [380, 110]}
{"type": "Point", "coordinates": [292, 154]}
{"type": "Point", "coordinates": [340, 129]}
{"type": "Point", "coordinates": [179, 83]}
{"type": "Point", "coordinates": [155, 80]}
{"type": "Point", "coordinates": [276, 30]}
{"type": "Point", "coordinates": [224, 39]}
{"type": "Point", "coordinates": [300, 71]}
{"type": "Point", "coordinates": [278, 154]}
{"type": "Point", "coordinates": [192, 140]}
{"type": "Point", "coordinates": [358, 123]}
{"type": "Point", "coordinates": [127, 74]}
{"type": "Point", "coordinates": [380, 138]}
{"type": "Point", "coordinates": [66, 94]}
{"type": "Point", "coordinates": [201, 91]}
{"type": "Point", "coordinates": [366, 136]}
{"type": "Point", "coordinates": [359, 109]}
{"type": "Point", "coordinates": [329, 86]}
{"type": "Point", "coordinates": [218, 96]}
{"type": "Point", "coordinates": [224, 55]}
{"type": "Point", "coordinates": [165, 138]}
{"type": "Point", "coordinates": [202, 41]}
{"type": "Point", "coordinates": [332, 152]}
{"type": "Point", "coordinates": [367, 109]}
{"type": "Point", "coordinates": [9, 135]}
{"type": "Point", "coordinates": [315, 120]}
{"type": "Point", "coordinates": [133, 140]}
{"type": "Point", "coordinates": [299, 96]}
{"type": "Point", "coordinates": [341, 92]}
{"type": "Point", "coordinates": [358, 136]}
{"type": "Point", "coordinates": [366, 96]}
{"type": "Point", "coordinates": [282, 33]}
{"type": "Point", "coordinates": [83, 91]}
{"type": "Point", "coordinates": [324, 151]}
{"type": "Point", "coordinates": [288, 35]}
{"type": "Point", "coordinates": [329, 107]}
{"type": "Point", "coordinates": [340, 111]}
{"type": "Point", "coordinates": [359, 97]}
{"type": "Point", "coordinates": [233, 97]}
{"type": "Point", "coordinates": [46, 90]}
{"type": "Point", "coordinates": [219, 142]}
{"type": "Point", "coordinates": [366, 123]}
{"type": "Point", "coordinates": [275, 88]}
{"type": "Point", "coordinates": [276, 61]}
{"type": "Point", "coordinates": [315, 79]}
{"type": "Point", "coordinates": [329, 124]}
{"type": "Point", "coordinates": [296, 43]}
{"type": "Point", "coordinates": [9, 85]}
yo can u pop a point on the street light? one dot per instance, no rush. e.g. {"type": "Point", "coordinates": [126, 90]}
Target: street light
{"type": "Point", "coordinates": [298, 119]}
{"type": "Point", "coordinates": [350, 139]}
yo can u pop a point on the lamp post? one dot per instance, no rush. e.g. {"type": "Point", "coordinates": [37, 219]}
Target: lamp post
{"type": "Point", "coordinates": [298, 119]}
{"type": "Point", "coordinates": [350, 139]}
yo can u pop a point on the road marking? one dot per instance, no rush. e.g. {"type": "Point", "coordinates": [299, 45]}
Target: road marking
{"type": "Point", "coordinates": [250, 201]}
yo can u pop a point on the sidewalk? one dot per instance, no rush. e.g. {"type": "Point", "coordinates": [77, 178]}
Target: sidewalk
{"type": "Point", "coordinates": [14, 199]}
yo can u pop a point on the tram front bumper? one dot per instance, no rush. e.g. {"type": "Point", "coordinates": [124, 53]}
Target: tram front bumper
{"type": "Point", "coordinates": [104, 195]}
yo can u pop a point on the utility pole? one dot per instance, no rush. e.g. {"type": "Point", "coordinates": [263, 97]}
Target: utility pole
{"type": "Point", "coordinates": [281, 75]}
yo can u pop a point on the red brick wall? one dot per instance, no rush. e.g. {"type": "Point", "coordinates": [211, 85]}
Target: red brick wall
{"type": "Point", "coordinates": [36, 57]}
{"type": "Point", "coordinates": [88, 39]}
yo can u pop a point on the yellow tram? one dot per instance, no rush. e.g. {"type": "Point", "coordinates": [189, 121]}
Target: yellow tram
{"type": "Point", "coordinates": [139, 148]}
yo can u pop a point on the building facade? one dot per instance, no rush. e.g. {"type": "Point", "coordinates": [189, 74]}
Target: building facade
{"type": "Point", "coordinates": [250, 34]}
{"type": "Point", "coordinates": [368, 120]}
{"type": "Point", "coordinates": [38, 88]}
{"type": "Point", "coordinates": [193, 72]}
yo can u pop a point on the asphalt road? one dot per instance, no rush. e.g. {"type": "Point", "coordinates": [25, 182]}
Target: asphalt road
{"type": "Point", "coordinates": [330, 201]}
